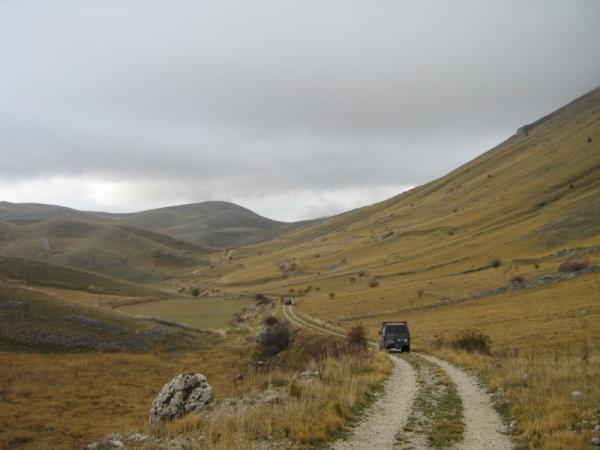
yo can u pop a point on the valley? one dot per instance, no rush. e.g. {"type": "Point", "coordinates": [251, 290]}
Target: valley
{"type": "Point", "coordinates": [99, 310]}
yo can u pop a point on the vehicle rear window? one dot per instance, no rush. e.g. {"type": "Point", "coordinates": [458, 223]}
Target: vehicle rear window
{"type": "Point", "coordinates": [396, 329]}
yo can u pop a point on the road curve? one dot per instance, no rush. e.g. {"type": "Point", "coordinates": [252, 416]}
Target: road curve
{"type": "Point", "coordinates": [484, 429]}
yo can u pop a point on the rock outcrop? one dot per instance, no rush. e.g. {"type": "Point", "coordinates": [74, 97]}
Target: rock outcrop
{"type": "Point", "coordinates": [182, 395]}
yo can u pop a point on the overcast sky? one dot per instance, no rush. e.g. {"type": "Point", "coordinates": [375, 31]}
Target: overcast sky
{"type": "Point", "coordinates": [294, 109]}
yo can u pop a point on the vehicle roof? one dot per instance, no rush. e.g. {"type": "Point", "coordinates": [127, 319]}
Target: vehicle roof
{"type": "Point", "coordinates": [394, 323]}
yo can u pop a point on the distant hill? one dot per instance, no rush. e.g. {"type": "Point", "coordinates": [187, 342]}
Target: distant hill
{"type": "Point", "coordinates": [209, 224]}
{"type": "Point", "coordinates": [41, 273]}
{"type": "Point", "coordinates": [119, 251]}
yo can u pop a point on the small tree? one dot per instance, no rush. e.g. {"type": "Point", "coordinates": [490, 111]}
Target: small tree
{"type": "Point", "coordinates": [273, 339]}
{"type": "Point", "coordinates": [270, 320]}
{"type": "Point", "coordinates": [495, 262]}
{"type": "Point", "coordinates": [195, 292]}
{"type": "Point", "coordinates": [516, 279]}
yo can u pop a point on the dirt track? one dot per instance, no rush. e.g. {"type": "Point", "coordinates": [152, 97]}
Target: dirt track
{"type": "Point", "coordinates": [378, 428]}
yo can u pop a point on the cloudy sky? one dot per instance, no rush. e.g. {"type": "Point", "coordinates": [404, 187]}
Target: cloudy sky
{"type": "Point", "coordinates": [294, 109]}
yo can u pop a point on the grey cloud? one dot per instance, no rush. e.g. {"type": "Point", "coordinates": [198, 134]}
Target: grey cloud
{"type": "Point", "coordinates": [254, 99]}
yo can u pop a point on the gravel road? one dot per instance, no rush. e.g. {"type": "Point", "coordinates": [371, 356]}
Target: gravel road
{"type": "Point", "coordinates": [484, 429]}
{"type": "Point", "coordinates": [378, 428]}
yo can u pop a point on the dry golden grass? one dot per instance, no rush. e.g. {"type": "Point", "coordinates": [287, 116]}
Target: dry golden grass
{"type": "Point", "coordinates": [65, 400]}
{"type": "Point", "coordinates": [315, 411]}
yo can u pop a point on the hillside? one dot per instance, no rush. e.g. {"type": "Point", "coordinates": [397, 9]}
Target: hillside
{"type": "Point", "coordinates": [40, 273]}
{"type": "Point", "coordinates": [37, 321]}
{"type": "Point", "coordinates": [118, 251]}
{"type": "Point", "coordinates": [530, 203]}
{"type": "Point", "coordinates": [208, 224]}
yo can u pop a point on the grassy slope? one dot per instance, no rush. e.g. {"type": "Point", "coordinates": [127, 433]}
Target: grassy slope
{"type": "Point", "coordinates": [213, 313]}
{"type": "Point", "coordinates": [32, 320]}
{"type": "Point", "coordinates": [41, 273]}
{"type": "Point", "coordinates": [118, 251]}
{"type": "Point", "coordinates": [514, 202]}
{"type": "Point", "coordinates": [211, 224]}
{"type": "Point", "coordinates": [532, 201]}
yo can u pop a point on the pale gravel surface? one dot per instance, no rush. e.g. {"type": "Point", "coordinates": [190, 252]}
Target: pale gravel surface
{"type": "Point", "coordinates": [387, 415]}
{"type": "Point", "coordinates": [484, 429]}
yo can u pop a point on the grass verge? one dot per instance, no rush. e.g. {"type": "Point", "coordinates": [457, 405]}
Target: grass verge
{"type": "Point", "coordinates": [536, 390]}
{"type": "Point", "coordinates": [437, 414]}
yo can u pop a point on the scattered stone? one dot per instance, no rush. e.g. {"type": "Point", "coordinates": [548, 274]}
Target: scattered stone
{"type": "Point", "coordinates": [596, 441]}
{"type": "Point", "coordinates": [114, 443]}
{"type": "Point", "coordinates": [310, 373]}
{"type": "Point", "coordinates": [92, 446]}
{"type": "Point", "coordinates": [272, 398]}
{"type": "Point", "coordinates": [183, 394]}
{"type": "Point", "coordinates": [136, 438]}
{"type": "Point", "coordinates": [597, 428]}
{"type": "Point", "coordinates": [577, 395]}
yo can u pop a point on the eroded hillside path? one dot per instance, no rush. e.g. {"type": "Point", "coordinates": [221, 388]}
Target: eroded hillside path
{"type": "Point", "coordinates": [384, 421]}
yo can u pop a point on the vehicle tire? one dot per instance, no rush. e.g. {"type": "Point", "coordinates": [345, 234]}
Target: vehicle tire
{"type": "Point", "coordinates": [408, 349]}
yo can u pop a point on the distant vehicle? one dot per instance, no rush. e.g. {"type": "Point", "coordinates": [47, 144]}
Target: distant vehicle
{"type": "Point", "coordinates": [394, 336]}
{"type": "Point", "coordinates": [287, 301]}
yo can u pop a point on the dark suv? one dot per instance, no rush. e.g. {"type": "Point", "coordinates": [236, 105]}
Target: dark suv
{"type": "Point", "coordinates": [394, 336]}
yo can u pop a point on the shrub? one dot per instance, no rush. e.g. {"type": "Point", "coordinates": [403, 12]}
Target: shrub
{"type": "Point", "coordinates": [195, 292]}
{"type": "Point", "coordinates": [270, 320]}
{"type": "Point", "coordinates": [352, 280]}
{"type": "Point", "coordinates": [438, 342]}
{"type": "Point", "coordinates": [373, 283]}
{"type": "Point", "coordinates": [357, 336]}
{"type": "Point", "coordinates": [495, 262]}
{"type": "Point", "coordinates": [516, 279]}
{"type": "Point", "coordinates": [332, 295]}
{"type": "Point", "coordinates": [472, 341]}
{"type": "Point", "coordinates": [273, 339]}
{"type": "Point", "coordinates": [420, 292]}
{"type": "Point", "coordinates": [361, 273]}
{"type": "Point", "coordinates": [95, 289]}
{"type": "Point", "coordinates": [262, 299]}
{"type": "Point", "coordinates": [574, 264]}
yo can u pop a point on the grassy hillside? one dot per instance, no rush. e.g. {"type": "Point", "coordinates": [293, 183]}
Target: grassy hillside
{"type": "Point", "coordinates": [508, 244]}
{"type": "Point", "coordinates": [36, 321]}
{"type": "Point", "coordinates": [209, 224]}
{"type": "Point", "coordinates": [40, 273]}
{"type": "Point", "coordinates": [531, 203]}
{"type": "Point", "coordinates": [118, 251]}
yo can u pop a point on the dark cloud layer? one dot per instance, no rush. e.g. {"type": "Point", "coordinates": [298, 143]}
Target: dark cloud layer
{"type": "Point", "coordinates": [127, 104]}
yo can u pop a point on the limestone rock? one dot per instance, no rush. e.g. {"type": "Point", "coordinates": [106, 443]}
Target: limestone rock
{"type": "Point", "coordinates": [577, 395]}
{"type": "Point", "coordinates": [183, 394]}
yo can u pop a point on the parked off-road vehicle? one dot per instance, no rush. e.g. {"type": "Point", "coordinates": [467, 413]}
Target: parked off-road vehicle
{"type": "Point", "coordinates": [287, 301]}
{"type": "Point", "coordinates": [394, 336]}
